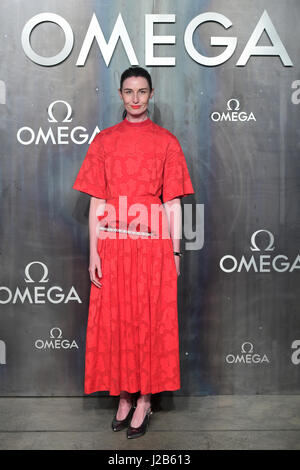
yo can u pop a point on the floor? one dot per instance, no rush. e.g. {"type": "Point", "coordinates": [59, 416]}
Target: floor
{"type": "Point", "coordinates": [183, 423]}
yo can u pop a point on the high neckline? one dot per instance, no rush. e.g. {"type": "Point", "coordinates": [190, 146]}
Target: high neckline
{"type": "Point", "coordinates": [146, 122]}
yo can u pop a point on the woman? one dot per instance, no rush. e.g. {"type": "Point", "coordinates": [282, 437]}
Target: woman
{"type": "Point", "coordinates": [132, 340]}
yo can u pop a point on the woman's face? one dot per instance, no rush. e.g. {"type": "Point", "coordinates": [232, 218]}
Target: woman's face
{"type": "Point", "coordinates": [135, 94]}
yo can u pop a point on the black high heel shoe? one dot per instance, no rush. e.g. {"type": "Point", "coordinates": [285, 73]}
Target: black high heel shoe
{"type": "Point", "coordinates": [140, 431]}
{"type": "Point", "coordinates": [119, 424]}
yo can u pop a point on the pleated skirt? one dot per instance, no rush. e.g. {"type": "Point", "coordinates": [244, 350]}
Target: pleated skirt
{"type": "Point", "coordinates": [132, 341]}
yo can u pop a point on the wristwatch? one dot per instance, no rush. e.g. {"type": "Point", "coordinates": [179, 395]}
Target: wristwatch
{"type": "Point", "coordinates": [177, 253]}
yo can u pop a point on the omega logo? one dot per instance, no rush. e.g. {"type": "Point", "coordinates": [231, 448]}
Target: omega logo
{"type": "Point", "coordinates": [59, 335]}
{"type": "Point", "coordinates": [261, 263]}
{"type": "Point", "coordinates": [50, 111]}
{"type": "Point", "coordinates": [249, 346]}
{"type": "Point", "coordinates": [254, 246]}
{"type": "Point", "coordinates": [120, 32]}
{"type": "Point", "coordinates": [237, 105]}
{"type": "Point", "coordinates": [232, 114]}
{"type": "Point", "coordinates": [246, 356]}
{"type": "Point", "coordinates": [58, 135]}
{"type": "Point", "coordinates": [56, 341]}
{"type": "Point", "coordinates": [38, 294]}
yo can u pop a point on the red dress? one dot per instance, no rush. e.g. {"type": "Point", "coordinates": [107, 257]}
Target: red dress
{"type": "Point", "coordinates": [132, 338]}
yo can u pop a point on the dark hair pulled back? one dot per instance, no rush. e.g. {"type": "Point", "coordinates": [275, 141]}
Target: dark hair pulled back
{"type": "Point", "coordinates": [135, 71]}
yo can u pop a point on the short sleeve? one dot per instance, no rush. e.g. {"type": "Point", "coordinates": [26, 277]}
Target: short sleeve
{"type": "Point", "coordinates": [176, 178]}
{"type": "Point", "coordinates": [91, 177]}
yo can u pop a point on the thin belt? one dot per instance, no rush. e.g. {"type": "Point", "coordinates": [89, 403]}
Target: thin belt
{"type": "Point", "coordinates": [122, 230]}
{"type": "Point", "coordinates": [131, 198]}
{"type": "Point", "coordinates": [134, 198]}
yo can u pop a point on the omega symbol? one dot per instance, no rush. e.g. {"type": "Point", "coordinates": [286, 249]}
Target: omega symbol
{"type": "Point", "coordinates": [28, 278]}
{"type": "Point", "coordinates": [250, 347]}
{"type": "Point", "coordinates": [51, 118]}
{"type": "Point", "coordinates": [270, 247]}
{"type": "Point", "coordinates": [59, 332]}
{"type": "Point", "coordinates": [236, 108]}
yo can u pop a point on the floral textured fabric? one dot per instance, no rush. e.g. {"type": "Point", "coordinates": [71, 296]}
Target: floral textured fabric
{"type": "Point", "coordinates": [132, 340]}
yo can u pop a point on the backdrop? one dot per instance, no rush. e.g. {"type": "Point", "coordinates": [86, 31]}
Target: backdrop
{"type": "Point", "coordinates": [227, 84]}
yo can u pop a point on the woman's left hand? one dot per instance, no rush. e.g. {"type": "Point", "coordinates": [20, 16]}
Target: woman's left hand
{"type": "Point", "coordinates": [177, 264]}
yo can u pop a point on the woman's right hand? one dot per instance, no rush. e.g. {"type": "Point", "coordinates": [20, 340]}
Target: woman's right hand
{"type": "Point", "coordinates": [95, 269]}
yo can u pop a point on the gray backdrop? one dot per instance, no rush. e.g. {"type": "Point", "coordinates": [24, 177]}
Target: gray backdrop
{"type": "Point", "coordinates": [238, 302]}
